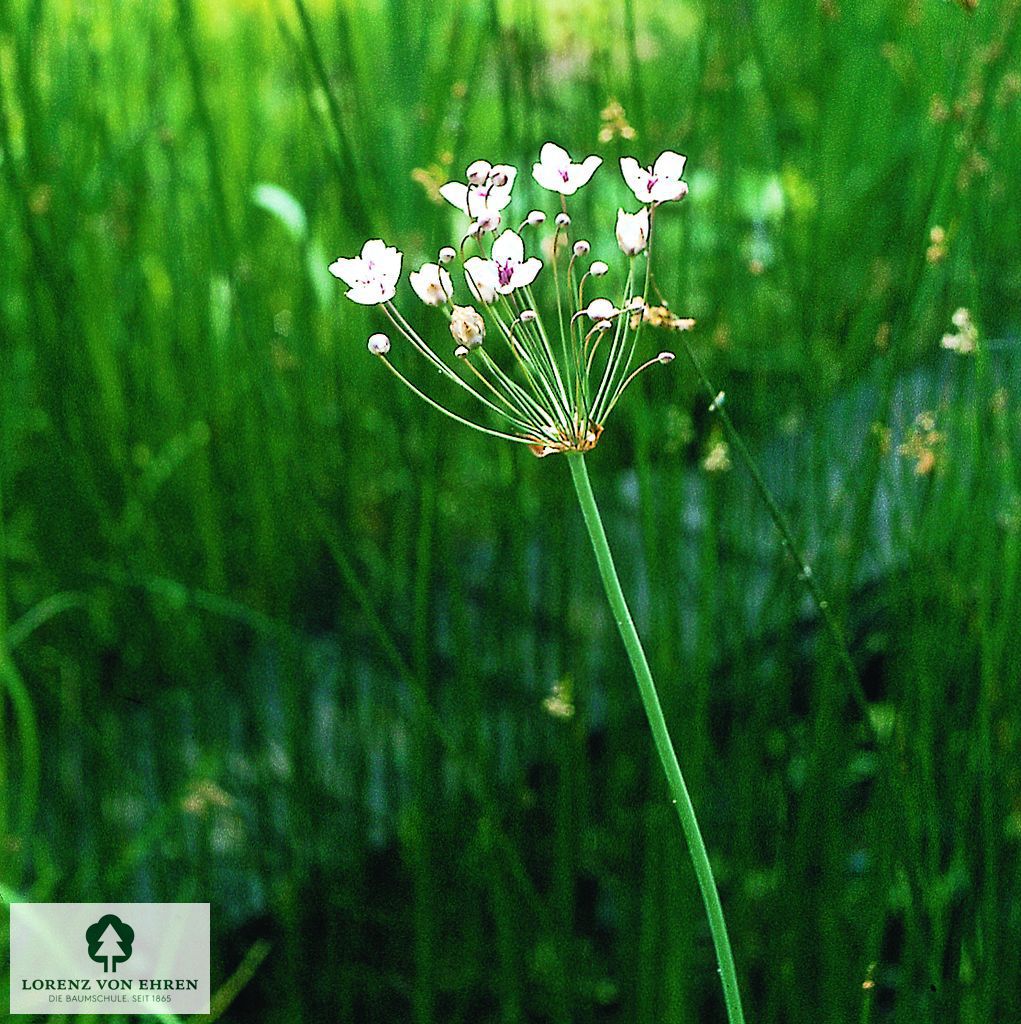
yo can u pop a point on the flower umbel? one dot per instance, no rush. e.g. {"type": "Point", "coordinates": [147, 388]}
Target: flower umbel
{"type": "Point", "coordinates": [561, 367]}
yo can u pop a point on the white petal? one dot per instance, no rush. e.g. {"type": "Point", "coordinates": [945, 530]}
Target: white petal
{"type": "Point", "coordinates": [481, 277]}
{"type": "Point", "coordinates": [508, 248]}
{"type": "Point", "coordinates": [388, 265]}
{"type": "Point", "coordinates": [584, 171]}
{"type": "Point", "coordinates": [425, 282]}
{"type": "Point", "coordinates": [667, 189]}
{"type": "Point", "coordinates": [525, 273]}
{"type": "Point", "coordinates": [371, 294]}
{"type": "Point", "coordinates": [555, 156]}
{"type": "Point", "coordinates": [636, 176]}
{"type": "Point", "coordinates": [456, 193]}
{"type": "Point", "coordinates": [348, 270]}
{"type": "Point", "coordinates": [446, 283]}
{"type": "Point", "coordinates": [550, 178]}
{"type": "Point", "coordinates": [477, 202]}
{"type": "Point", "coordinates": [374, 250]}
{"type": "Point", "coordinates": [499, 199]}
{"type": "Point", "coordinates": [669, 165]}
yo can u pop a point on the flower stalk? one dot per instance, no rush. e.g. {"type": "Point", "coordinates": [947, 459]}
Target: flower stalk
{"type": "Point", "coordinates": [661, 737]}
{"type": "Point", "coordinates": [551, 404]}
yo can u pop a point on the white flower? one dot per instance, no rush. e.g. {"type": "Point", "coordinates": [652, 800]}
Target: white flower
{"type": "Point", "coordinates": [556, 172]}
{"type": "Point", "coordinates": [481, 277]}
{"type": "Point", "coordinates": [489, 192]}
{"type": "Point", "coordinates": [432, 284]}
{"type": "Point", "coordinates": [658, 184]}
{"type": "Point", "coordinates": [633, 231]}
{"type": "Point", "coordinates": [512, 269]}
{"type": "Point", "coordinates": [371, 277]}
{"type": "Point", "coordinates": [507, 270]}
{"type": "Point", "coordinates": [965, 340]}
{"type": "Point", "coordinates": [379, 344]}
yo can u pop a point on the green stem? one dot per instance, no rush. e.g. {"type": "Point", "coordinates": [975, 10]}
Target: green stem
{"type": "Point", "coordinates": [661, 736]}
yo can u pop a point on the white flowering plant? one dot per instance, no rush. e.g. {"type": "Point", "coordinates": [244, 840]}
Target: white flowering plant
{"type": "Point", "coordinates": [553, 378]}
{"type": "Point", "coordinates": [549, 381]}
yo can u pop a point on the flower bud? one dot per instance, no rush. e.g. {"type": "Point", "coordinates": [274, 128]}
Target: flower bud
{"type": "Point", "coordinates": [562, 220]}
{"type": "Point", "coordinates": [581, 248]}
{"type": "Point", "coordinates": [667, 357]}
{"type": "Point", "coordinates": [527, 316]}
{"type": "Point", "coordinates": [379, 344]}
{"type": "Point", "coordinates": [488, 221]}
{"type": "Point", "coordinates": [598, 269]}
{"type": "Point", "coordinates": [632, 231]}
{"type": "Point", "coordinates": [447, 254]}
{"type": "Point", "coordinates": [461, 352]}
{"type": "Point", "coordinates": [479, 171]}
{"type": "Point", "coordinates": [467, 327]}
{"type": "Point", "coordinates": [536, 217]}
{"type": "Point", "coordinates": [600, 309]}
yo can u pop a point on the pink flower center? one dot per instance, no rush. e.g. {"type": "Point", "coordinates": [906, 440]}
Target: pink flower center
{"type": "Point", "coordinates": [504, 273]}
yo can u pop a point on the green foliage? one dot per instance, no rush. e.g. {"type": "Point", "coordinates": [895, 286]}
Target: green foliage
{"type": "Point", "coordinates": [274, 636]}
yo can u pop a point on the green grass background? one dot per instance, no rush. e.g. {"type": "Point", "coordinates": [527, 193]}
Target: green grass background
{"type": "Point", "coordinates": [275, 636]}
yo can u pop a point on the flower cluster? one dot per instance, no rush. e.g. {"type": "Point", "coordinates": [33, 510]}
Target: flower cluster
{"type": "Point", "coordinates": [964, 340]}
{"type": "Point", "coordinates": [563, 373]}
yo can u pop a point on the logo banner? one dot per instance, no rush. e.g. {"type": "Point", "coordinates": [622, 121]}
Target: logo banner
{"type": "Point", "coordinates": [124, 958]}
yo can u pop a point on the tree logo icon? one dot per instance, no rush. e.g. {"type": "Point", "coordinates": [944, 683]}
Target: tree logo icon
{"type": "Point", "coordinates": [109, 941]}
